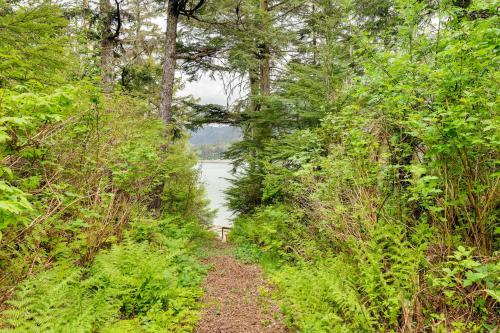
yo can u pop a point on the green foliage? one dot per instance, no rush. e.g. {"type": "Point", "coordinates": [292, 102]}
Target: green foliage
{"type": "Point", "coordinates": [77, 165]}
{"type": "Point", "coordinates": [98, 212]}
{"type": "Point", "coordinates": [148, 286]}
{"type": "Point", "coordinates": [181, 192]}
{"type": "Point", "coordinates": [151, 279]}
{"type": "Point", "coordinates": [248, 252]}
{"type": "Point", "coordinates": [53, 302]}
{"type": "Point", "coordinates": [323, 298]}
{"type": "Point", "coordinates": [269, 228]}
{"type": "Point", "coordinates": [76, 168]}
{"type": "Point", "coordinates": [364, 290]}
{"type": "Point", "coordinates": [22, 114]}
{"type": "Point", "coordinates": [32, 43]}
{"type": "Point", "coordinates": [388, 267]}
{"type": "Point", "coordinates": [24, 110]}
{"type": "Point", "coordinates": [13, 202]}
{"type": "Point", "coordinates": [391, 164]}
{"type": "Point", "coordinates": [368, 174]}
{"type": "Point", "coordinates": [464, 281]}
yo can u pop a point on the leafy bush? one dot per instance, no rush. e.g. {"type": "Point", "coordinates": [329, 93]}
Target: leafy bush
{"type": "Point", "coordinates": [268, 228]}
{"type": "Point", "coordinates": [380, 203]}
{"type": "Point", "coordinates": [86, 188]}
{"type": "Point", "coordinates": [461, 283]}
{"type": "Point", "coordinates": [79, 165]}
{"type": "Point", "coordinates": [151, 286]}
{"type": "Point", "coordinates": [97, 213]}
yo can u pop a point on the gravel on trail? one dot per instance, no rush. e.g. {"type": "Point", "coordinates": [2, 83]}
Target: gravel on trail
{"type": "Point", "coordinates": [234, 299]}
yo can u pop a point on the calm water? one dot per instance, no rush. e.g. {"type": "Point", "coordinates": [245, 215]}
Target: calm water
{"type": "Point", "coordinates": [214, 175]}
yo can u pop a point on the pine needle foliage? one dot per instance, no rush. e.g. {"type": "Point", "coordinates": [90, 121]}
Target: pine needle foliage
{"type": "Point", "coordinates": [32, 43]}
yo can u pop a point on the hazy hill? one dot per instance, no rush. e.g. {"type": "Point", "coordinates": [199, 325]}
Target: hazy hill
{"type": "Point", "coordinates": [215, 135]}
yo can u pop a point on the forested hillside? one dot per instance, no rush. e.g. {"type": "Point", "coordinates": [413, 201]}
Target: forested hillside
{"type": "Point", "coordinates": [366, 180]}
{"type": "Point", "coordinates": [212, 142]}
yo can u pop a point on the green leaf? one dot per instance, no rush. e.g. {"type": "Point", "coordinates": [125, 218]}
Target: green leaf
{"type": "Point", "coordinates": [473, 277]}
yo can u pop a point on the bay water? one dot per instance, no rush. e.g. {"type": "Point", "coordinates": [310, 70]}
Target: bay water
{"type": "Point", "coordinates": [215, 175]}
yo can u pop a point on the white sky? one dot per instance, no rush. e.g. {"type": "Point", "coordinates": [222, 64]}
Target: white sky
{"type": "Point", "coordinates": [211, 90]}
{"type": "Point", "coordinates": [208, 90]}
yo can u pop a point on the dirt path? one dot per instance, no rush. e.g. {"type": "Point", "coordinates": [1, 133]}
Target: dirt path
{"type": "Point", "coordinates": [233, 300]}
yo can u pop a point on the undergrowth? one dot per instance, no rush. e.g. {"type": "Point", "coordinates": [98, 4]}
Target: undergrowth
{"type": "Point", "coordinates": [99, 221]}
{"type": "Point", "coordinates": [143, 284]}
{"type": "Point", "coordinates": [385, 217]}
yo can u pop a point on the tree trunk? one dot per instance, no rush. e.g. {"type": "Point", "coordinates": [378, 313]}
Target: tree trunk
{"type": "Point", "coordinates": [106, 45]}
{"type": "Point", "coordinates": [168, 77]}
{"type": "Point", "coordinates": [265, 75]}
{"type": "Point", "coordinates": [138, 28]}
{"type": "Point", "coordinates": [265, 57]}
{"type": "Point", "coordinates": [314, 37]}
{"type": "Point", "coordinates": [254, 88]}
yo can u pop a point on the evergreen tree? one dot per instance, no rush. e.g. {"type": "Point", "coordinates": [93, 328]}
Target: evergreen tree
{"type": "Point", "coordinates": [32, 44]}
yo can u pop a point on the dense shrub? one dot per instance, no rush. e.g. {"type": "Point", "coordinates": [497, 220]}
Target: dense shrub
{"type": "Point", "coordinates": [147, 286]}
{"type": "Point", "coordinates": [387, 212]}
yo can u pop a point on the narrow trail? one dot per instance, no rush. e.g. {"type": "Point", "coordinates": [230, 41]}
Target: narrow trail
{"type": "Point", "coordinates": [233, 300]}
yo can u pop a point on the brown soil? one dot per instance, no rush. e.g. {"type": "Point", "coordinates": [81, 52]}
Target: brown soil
{"type": "Point", "coordinates": [234, 299]}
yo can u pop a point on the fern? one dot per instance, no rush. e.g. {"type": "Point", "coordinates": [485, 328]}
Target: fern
{"type": "Point", "coordinates": [387, 270]}
{"type": "Point", "coordinates": [55, 301]}
{"type": "Point", "coordinates": [154, 285]}
{"type": "Point", "coordinates": [323, 297]}
{"type": "Point", "coordinates": [364, 292]}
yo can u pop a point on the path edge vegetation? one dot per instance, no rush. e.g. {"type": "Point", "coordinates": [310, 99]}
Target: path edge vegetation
{"type": "Point", "coordinates": [112, 230]}
{"type": "Point", "coordinates": [383, 216]}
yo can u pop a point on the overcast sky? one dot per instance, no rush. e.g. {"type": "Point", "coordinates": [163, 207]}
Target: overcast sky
{"type": "Point", "coordinates": [208, 90]}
